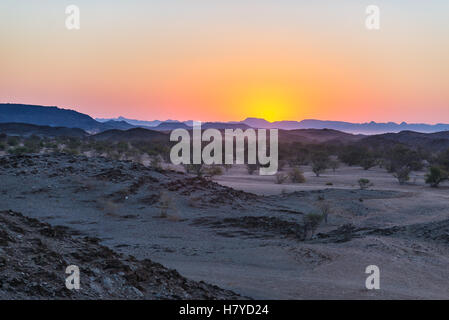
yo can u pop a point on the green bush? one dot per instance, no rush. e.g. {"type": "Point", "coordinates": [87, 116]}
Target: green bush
{"type": "Point", "coordinates": [13, 141]}
{"type": "Point", "coordinates": [435, 176]}
{"type": "Point", "coordinates": [18, 151]}
{"type": "Point", "coordinates": [364, 183]}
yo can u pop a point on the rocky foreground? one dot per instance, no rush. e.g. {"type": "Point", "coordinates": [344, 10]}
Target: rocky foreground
{"type": "Point", "coordinates": [259, 246]}
{"type": "Point", "coordinates": [34, 257]}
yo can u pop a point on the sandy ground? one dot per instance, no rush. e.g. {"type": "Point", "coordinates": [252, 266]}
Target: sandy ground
{"type": "Point", "coordinates": [248, 241]}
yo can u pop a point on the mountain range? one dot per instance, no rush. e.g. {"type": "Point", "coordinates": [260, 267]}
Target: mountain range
{"type": "Point", "coordinates": [363, 128]}
{"type": "Point", "coordinates": [349, 127]}
{"type": "Point", "coordinates": [57, 117]}
{"type": "Point", "coordinates": [26, 120]}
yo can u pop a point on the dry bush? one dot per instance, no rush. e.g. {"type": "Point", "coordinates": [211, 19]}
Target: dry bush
{"type": "Point", "coordinates": [296, 176]}
{"type": "Point", "coordinates": [197, 169]}
{"type": "Point", "coordinates": [281, 177]}
{"type": "Point", "coordinates": [156, 162]}
{"type": "Point", "coordinates": [213, 171]}
{"type": "Point", "coordinates": [402, 174]}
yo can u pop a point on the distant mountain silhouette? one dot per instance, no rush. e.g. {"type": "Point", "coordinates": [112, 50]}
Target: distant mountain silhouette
{"type": "Point", "coordinates": [134, 122]}
{"type": "Point", "coordinates": [224, 125]}
{"type": "Point", "coordinates": [24, 129]}
{"type": "Point", "coordinates": [55, 117]}
{"type": "Point", "coordinates": [364, 128]}
{"type": "Point", "coordinates": [142, 123]}
{"type": "Point", "coordinates": [168, 126]}
{"type": "Point", "coordinates": [316, 136]}
{"type": "Point", "coordinates": [135, 134]}
{"type": "Point", "coordinates": [437, 141]}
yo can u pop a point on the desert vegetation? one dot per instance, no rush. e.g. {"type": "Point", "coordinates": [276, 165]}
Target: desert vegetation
{"type": "Point", "coordinates": [397, 159]}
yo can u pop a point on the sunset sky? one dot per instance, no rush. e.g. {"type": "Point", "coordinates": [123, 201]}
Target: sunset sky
{"type": "Point", "coordinates": [228, 60]}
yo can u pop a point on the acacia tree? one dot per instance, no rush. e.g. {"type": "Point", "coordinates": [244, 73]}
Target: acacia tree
{"type": "Point", "coordinates": [320, 162]}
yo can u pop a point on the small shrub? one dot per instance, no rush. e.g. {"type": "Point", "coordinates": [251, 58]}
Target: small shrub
{"type": "Point", "coordinates": [13, 141]}
{"type": "Point", "coordinates": [364, 183]}
{"type": "Point", "coordinates": [214, 171]}
{"type": "Point", "coordinates": [311, 222]}
{"type": "Point", "coordinates": [18, 150]}
{"type": "Point", "coordinates": [296, 176]}
{"type": "Point", "coordinates": [156, 162]}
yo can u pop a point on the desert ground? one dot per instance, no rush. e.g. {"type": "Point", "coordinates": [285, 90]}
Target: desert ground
{"type": "Point", "coordinates": [244, 233]}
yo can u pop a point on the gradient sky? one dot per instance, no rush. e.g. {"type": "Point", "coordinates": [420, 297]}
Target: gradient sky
{"type": "Point", "coordinates": [228, 60]}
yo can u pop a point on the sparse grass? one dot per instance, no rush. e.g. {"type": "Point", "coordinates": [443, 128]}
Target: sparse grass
{"type": "Point", "coordinates": [325, 209]}
{"type": "Point", "coordinates": [311, 222]}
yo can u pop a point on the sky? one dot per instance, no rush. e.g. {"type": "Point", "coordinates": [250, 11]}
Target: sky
{"type": "Point", "coordinates": [228, 60]}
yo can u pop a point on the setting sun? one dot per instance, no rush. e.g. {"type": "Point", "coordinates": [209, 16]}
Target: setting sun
{"type": "Point", "coordinates": [269, 102]}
